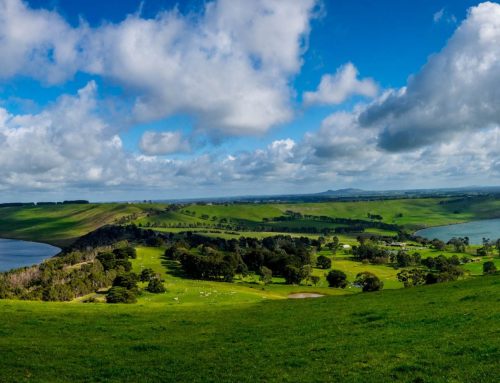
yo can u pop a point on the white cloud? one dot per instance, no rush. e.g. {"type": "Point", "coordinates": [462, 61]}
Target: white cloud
{"type": "Point", "coordinates": [438, 15]}
{"type": "Point", "coordinates": [36, 43]}
{"type": "Point", "coordinates": [443, 15]}
{"type": "Point", "coordinates": [458, 90]}
{"type": "Point", "coordinates": [335, 89]}
{"type": "Point", "coordinates": [159, 143]}
{"type": "Point", "coordinates": [229, 66]}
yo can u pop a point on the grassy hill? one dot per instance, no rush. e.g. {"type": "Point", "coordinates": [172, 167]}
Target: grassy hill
{"type": "Point", "coordinates": [440, 333]}
{"type": "Point", "coordinates": [61, 224]}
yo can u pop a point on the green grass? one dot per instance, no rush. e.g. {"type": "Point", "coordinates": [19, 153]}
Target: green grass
{"type": "Point", "coordinates": [61, 224]}
{"type": "Point", "coordinates": [185, 291]}
{"type": "Point", "coordinates": [441, 333]}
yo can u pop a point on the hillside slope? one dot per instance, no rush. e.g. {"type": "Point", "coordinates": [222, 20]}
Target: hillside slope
{"type": "Point", "coordinates": [441, 333]}
{"type": "Point", "coordinates": [61, 224]}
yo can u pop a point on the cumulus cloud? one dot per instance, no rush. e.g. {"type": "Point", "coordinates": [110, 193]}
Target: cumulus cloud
{"type": "Point", "coordinates": [335, 89]}
{"type": "Point", "coordinates": [159, 143]}
{"type": "Point", "coordinates": [442, 128]}
{"type": "Point", "coordinates": [65, 143]}
{"type": "Point", "coordinates": [230, 66]}
{"type": "Point", "coordinates": [37, 43]}
{"type": "Point", "coordinates": [456, 91]}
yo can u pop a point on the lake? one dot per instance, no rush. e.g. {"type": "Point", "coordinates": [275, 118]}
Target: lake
{"type": "Point", "coordinates": [15, 253]}
{"type": "Point", "coordinates": [475, 230]}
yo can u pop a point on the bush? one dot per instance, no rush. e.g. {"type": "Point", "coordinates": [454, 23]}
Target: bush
{"type": "Point", "coordinates": [315, 279]}
{"type": "Point", "coordinates": [124, 264]}
{"type": "Point", "coordinates": [295, 275]}
{"type": "Point", "coordinates": [125, 253]}
{"type": "Point", "coordinates": [489, 268]}
{"type": "Point", "coordinates": [127, 280]}
{"type": "Point", "coordinates": [266, 275]}
{"type": "Point", "coordinates": [147, 275]}
{"type": "Point", "coordinates": [369, 281]}
{"type": "Point", "coordinates": [119, 294]}
{"type": "Point", "coordinates": [324, 262]}
{"type": "Point", "coordinates": [337, 278]}
{"type": "Point", "coordinates": [414, 277]}
{"type": "Point", "coordinates": [108, 260]}
{"type": "Point", "coordinates": [156, 286]}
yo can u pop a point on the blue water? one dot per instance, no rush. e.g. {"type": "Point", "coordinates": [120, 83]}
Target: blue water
{"type": "Point", "coordinates": [14, 253]}
{"type": "Point", "coordinates": [475, 230]}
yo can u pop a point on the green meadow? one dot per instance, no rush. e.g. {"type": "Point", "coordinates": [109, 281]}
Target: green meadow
{"type": "Point", "coordinates": [442, 333]}
{"type": "Point", "coordinates": [62, 224]}
{"type": "Point", "coordinates": [245, 331]}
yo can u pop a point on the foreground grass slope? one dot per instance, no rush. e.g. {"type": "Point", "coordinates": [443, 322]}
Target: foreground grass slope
{"type": "Point", "coordinates": [440, 333]}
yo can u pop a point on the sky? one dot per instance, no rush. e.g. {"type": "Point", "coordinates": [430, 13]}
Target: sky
{"type": "Point", "coordinates": [129, 100]}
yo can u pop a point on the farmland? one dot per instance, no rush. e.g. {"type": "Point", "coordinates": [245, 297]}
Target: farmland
{"type": "Point", "coordinates": [242, 329]}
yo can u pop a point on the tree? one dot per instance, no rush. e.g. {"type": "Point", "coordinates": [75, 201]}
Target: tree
{"type": "Point", "coordinates": [324, 262]}
{"type": "Point", "coordinates": [458, 244]}
{"type": "Point", "coordinates": [438, 244]}
{"type": "Point", "coordinates": [294, 275]}
{"type": "Point", "coordinates": [333, 245]}
{"type": "Point", "coordinates": [414, 277]}
{"type": "Point", "coordinates": [125, 264]}
{"type": "Point", "coordinates": [482, 252]}
{"type": "Point", "coordinates": [337, 278]}
{"type": "Point", "coordinates": [147, 274]}
{"type": "Point", "coordinates": [125, 253]}
{"type": "Point", "coordinates": [155, 286]}
{"type": "Point", "coordinates": [119, 294]}
{"type": "Point", "coordinates": [368, 281]}
{"type": "Point", "coordinates": [266, 275]}
{"type": "Point", "coordinates": [489, 268]}
{"type": "Point", "coordinates": [108, 260]}
{"type": "Point", "coordinates": [315, 279]}
{"type": "Point", "coordinates": [126, 280]}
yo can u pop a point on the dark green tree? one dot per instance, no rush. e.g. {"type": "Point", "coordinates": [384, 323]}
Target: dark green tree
{"type": "Point", "coordinates": [119, 294]}
{"type": "Point", "coordinates": [489, 268]}
{"type": "Point", "coordinates": [324, 262]}
{"type": "Point", "coordinates": [147, 274]}
{"type": "Point", "coordinates": [156, 286]}
{"type": "Point", "coordinates": [368, 281]}
{"type": "Point", "coordinates": [266, 275]}
{"type": "Point", "coordinates": [337, 278]}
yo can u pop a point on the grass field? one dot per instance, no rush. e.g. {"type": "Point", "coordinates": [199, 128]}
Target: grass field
{"type": "Point", "coordinates": [61, 224]}
{"type": "Point", "coordinates": [441, 333]}
{"type": "Point", "coordinates": [184, 291]}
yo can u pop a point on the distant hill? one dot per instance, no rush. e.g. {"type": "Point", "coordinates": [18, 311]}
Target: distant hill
{"type": "Point", "coordinates": [344, 192]}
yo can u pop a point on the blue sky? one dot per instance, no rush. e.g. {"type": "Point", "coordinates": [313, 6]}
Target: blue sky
{"type": "Point", "coordinates": [161, 99]}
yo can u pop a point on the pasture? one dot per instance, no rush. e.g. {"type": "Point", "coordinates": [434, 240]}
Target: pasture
{"type": "Point", "coordinates": [440, 333]}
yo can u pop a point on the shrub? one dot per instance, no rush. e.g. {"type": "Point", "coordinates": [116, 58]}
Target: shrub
{"type": "Point", "coordinates": [108, 260]}
{"type": "Point", "coordinates": [155, 286]}
{"type": "Point", "coordinates": [294, 275]}
{"type": "Point", "coordinates": [368, 281]}
{"type": "Point", "coordinates": [126, 280]}
{"type": "Point", "coordinates": [489, 268]}
{"type": "Point", "coordinates": [315, 279]}
{"type": "Point", "coordinates": [119, 294]}
{"type": "Point", "coordinates": [414, 277]}
{"type": "Point", "coordinates": [147, 274]}
{"type": "Point", "coordinates": [324, 262]}
{"type": "Point", "coordinates": [124, 264]}
{"type": "Point", "coordinates": [337, 278]}
{"type": "Point", "coordinates": [266, 275]}
{"type": "Point", "coordinates": [125, 253]}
